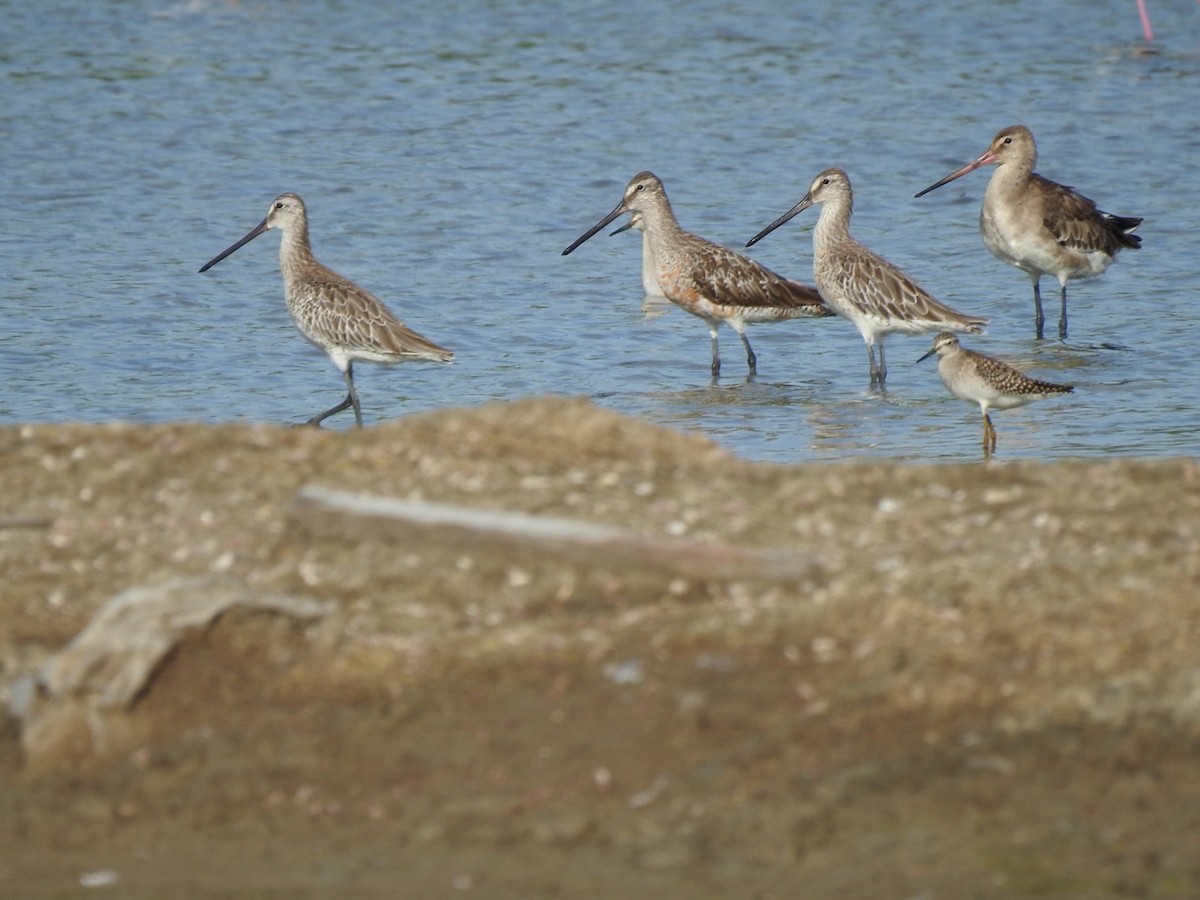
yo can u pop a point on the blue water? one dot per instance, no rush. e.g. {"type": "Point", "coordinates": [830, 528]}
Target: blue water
{"type": "Point", "coordinates": [448, 152]}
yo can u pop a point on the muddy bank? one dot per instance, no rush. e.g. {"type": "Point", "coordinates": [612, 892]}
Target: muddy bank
{"type": "Point", "coordinates": [975, 681]}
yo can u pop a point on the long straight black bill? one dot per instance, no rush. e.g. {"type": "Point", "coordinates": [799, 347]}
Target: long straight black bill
{"type": "Point", "coordinates": [620, 210]}
{"type": "Point", "coordinates": [258, 229]}
{"type": "Point", "coordinates": [798, 208]}
{"type": "Point", "coordinates": [927, 355]}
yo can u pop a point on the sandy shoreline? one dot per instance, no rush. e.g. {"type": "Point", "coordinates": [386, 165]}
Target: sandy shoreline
{"type": "Point", "coordinates": [982, 681]}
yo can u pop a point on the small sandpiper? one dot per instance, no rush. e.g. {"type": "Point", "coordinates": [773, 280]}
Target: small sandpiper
{"type": "Point", "coordinates": [987, 381]}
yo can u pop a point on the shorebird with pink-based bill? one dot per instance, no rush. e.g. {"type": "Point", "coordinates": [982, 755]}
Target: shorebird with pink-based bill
{"type": "Point", "coordinates": [1040, 226]}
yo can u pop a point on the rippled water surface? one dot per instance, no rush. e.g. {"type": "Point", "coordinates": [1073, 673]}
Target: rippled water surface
{"type": "Point", "coordinates": [449, 151]}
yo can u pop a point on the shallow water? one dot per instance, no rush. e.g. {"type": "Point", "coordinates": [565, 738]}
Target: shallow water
{"type": "Point", "coordinates": [449, 151]}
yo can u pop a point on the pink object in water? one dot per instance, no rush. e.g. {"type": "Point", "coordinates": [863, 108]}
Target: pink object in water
{"type": "Point", "coordinates": [1147, 32]}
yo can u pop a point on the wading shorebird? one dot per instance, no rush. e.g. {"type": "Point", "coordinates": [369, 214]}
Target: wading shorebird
{"type": "Point", "coordinates": [861, 285]}
{"type": "Point", "coordinates": [1040, 226]}
{"type": "Point", "coordinates": [703, 278]}
{"type": "Point", "coordinates": [333, 312]}
{"type": "Point", "coordinates": [985, 380]}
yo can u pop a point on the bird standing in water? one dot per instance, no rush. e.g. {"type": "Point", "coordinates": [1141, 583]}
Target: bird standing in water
{"type": "Point", "coordinates": [861, 285]}
{"type": "Point", "coordinates": [703, 278]}
{"type": "Point", "coordinates": [1040, 226]}
{"type": "Point", "coordinates": [987, 381]}
{"type": "Point", "coordinates": [334, 313]}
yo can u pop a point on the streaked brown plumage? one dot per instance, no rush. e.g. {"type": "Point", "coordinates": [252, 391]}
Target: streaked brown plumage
{"type": "Point", "coordinates": [985, 380]}
{"type": "Point", "coordinates": [861, 285]}
{"type": "Point", "coordinates": [703, 278]}
{"type": "Point", "coordinates": [1040, 226]}
{"type": "Point", "coordinates": [334, 313]}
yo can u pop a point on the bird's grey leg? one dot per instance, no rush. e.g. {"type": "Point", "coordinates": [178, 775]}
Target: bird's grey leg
{"type": "Point", "coordinates": [751, 359]}
{"type": "Point", "coordinates": [1062, 322]}
{"type": "Point", "coordinates": [351, 400]}
{"type": "Point", "coordinates": [352, 395]}
{"type": "Point", "coordinates": [1039, 319]}
{"type": "Point", "coordinates": [318, 419]}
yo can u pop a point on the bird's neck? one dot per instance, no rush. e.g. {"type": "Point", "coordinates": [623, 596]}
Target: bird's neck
{"type": "Point", "coordinates": [1011, 176]}
{"type": "Point", "coordinates": [833, 223]}
{"type": "Point", "coordinates": [659, 223]}
{"type": "Point", "coordinates": [294, 250]}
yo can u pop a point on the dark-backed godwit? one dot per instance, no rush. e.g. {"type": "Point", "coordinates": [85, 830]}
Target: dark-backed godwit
{"type": "Point", "coordinates": [861, 285]}
{"type": "Point", "coordinates": [704, 278]}
{"type": "Point", "coordinates": [985, 380]}
{"type": "Point", "coordinates": [1040, 226]}
{"type": "Point", "coordinates": [333, 312]}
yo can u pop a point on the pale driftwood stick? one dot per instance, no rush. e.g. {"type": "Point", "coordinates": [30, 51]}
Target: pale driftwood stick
{"type": "Point", "coordinates": [25, 521]}
{"type": "Point", "coordinates": [77, 703]}
{"type": "Point", "coordinates": [115, 656]}
{"type": "Point", "coordinates": [466, 529]}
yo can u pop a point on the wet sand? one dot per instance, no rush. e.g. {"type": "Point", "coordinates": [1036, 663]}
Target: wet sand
{"type": "Point", "coordinates": [975, 681]}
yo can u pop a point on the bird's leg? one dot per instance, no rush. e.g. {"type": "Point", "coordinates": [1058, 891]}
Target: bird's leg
{"type": "Point", "coordinates": [1039, 319]}
{"type": "Point", "coordinates": [751, 359]}
{"type": "Point", "coordinates": [318, 419]}
{"type": "Point", "coordinates": [352, 395]}
{"type": "Point", "coordinates": [716, 354]}
{"type": "Point", "coordinates": [1062, 322]}
{"type": "Point", "coordinates": [882, 365]}
{"type": "Point", "coordinates": [871, 362]}
{"type": "Point", "coordinates": [989, 435]}
{"type": "Point", "coordinates": [351, 400]}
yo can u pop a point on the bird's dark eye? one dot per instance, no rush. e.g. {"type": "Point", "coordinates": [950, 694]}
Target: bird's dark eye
{"type": "Point", "coordinates": [1008, 140]}
{"type": "Point", "coordinates": [824, 181]}
{"type": "Point", "coordinates": [641, 187]}
{"type": "Point", "coordinates": [279, 205]}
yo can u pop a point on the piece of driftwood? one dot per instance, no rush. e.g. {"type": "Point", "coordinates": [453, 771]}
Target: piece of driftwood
{"type": "Point", "coordinates": [77, 703]}
{"type": "Point", "coordinates": [114, 657]}
{"type": "Point", "coordinates": [15, 521]}
{"type": "Point", "coordinates": [472, 529]}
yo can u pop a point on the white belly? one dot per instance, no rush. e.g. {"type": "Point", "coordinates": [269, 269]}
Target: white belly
{"type": "Point", "coordinates": [649, 275]}
{"type": "Point", "coordinates": [1023, 241]}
